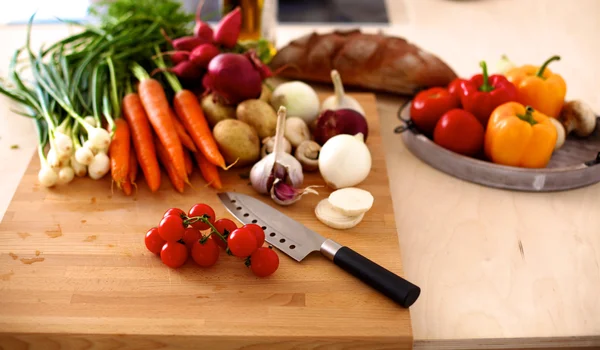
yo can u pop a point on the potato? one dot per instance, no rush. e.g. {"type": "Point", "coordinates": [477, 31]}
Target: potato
{"type": "Point", "coordinates": [258, 114]}
{"type": "Point", "coordinates": [266, 93]}
{"type": "Point", "coordinates": [215, 111]}
{"type": "Point", "coordinates": [237, 141]}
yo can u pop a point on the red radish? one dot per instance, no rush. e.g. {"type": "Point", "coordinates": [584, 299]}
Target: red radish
{"type": "Point", "coordinates": [188, 43]}
{"type": "Point", "coordinates": [203, 54]}
{"type": "Point", "coordinates": [342, 121]}
{"type": "Point", "coordinates": [187, 70]}
{"type": "Point", "coordinates": [228, 30]}
{"type": "Point", "coordinates": [179, 56]}
{"type": "Point", "coordinates": [233, 77]}
{"type": "Point", "coordinates": [202, 29]}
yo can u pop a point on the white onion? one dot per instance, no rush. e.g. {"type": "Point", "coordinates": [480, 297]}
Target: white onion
{"type": "Point", "coordinates": [78, 168]}
{"type": "Point", "coordinates": [344, 161]}
{"type": "Point", "coordinates": [99, 138]}
{"type": "Point", "coordinates": [84, 155]}
{"type": "Point", "coordinates": [54, 161]}
{"type": "Point", "coordinates": [65, 175]}
{"type": "Point", "coordinates": [64, 144]}
{"type": "Point", "coordinates": [47, 177]}
{"type": "Point", "coordinates": [299, 98]}
{"type": "Point", "coordinates": [91, 121]}
{"type": "Point", "coordinates": [99, 166]}
{"type": "Point", "coordinates": [89, 145]}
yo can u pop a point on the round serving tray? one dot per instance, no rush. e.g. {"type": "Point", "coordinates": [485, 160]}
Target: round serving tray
{"type": "Point", "coordinates": [576, 164]}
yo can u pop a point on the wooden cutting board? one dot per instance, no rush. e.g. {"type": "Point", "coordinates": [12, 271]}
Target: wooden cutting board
{"type": "Point", "coordinates": [74, 273]}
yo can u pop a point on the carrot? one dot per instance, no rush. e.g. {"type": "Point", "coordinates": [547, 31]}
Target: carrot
{"type": "Point", "coordinates": [186, 140]}
{"type": "Point", "coordinates": [189, 165]}
{"type": "Point", "coordinates": [157, 107]}
{"type": "Point", "coordinates": [163, 155]}
{"type": "Point", "coordinates": [189, 110]}
{"type": "Point", "coordinates": [143, 142]}
{"type": "Point", "coordinates": [119, 149]}
{"type": "Point", "coordinates": [190, 113]}
{"type": "Point", "coordinates": [127, 187]}
{"type": "Point", "coordinates": [209, 171]}
{"type": "Point", "coordinates": [129, 182]}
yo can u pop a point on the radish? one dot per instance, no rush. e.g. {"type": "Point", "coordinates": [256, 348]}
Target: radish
{"type": "Point", "coordinates": [203, 54]}
{"type": "Point", "coordinates": [351, 201]}
{"type": "Point", "coordinates": [233, 77]}
{"type": "Point", "coordinates": [188, 43]}
{"type": "Point", "coordinates": [331, 217]}
{"type": "Point", "coordinates": [179, 56]}
{"type": "Point", "coordinates": [202, 29]}
{"type": "Point", "coordinates": [342, 121]}
{"type": "Point", "coordinates": [228, 30]}
{"type": "Point", "coordinates": [187, 70]}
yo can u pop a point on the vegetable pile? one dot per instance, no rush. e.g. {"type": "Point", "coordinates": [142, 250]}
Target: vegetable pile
{"type": "Point", "coordinates": [517, 117]}
{"type": "Point", "coordinates": [179, 236]}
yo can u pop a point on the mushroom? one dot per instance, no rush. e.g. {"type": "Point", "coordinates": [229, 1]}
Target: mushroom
{"type": "Point", "coordinates": [308, 155]}
{"type": "Point", "coordinates": [269, 142]}
{"type": "Point", "coordinates": [560, 133]}
{"type": "Point", "coordinates": [296, 131]}
{"type": "Point", "coordinates": [578, 117]}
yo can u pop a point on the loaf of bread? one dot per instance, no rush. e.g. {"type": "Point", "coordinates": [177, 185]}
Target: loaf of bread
{"type": "Point", "coordinates": [369, 61]}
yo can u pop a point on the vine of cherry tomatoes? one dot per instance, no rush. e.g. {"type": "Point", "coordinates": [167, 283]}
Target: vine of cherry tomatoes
{"type": "Point", "coordinates": [179, 236]}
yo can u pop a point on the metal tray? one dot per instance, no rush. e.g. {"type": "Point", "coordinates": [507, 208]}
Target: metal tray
{"type": "Point", "coordinates": [575, 165]}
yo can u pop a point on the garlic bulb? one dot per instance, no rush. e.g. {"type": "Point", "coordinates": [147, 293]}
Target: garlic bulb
{"type": "Point", "coordinates": [340, 100]}
{"type": "Point", "coordinates": [268, 143]}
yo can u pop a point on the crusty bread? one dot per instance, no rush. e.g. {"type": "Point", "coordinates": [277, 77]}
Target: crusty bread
{"type": "Point", "coordinates": [369, 61]}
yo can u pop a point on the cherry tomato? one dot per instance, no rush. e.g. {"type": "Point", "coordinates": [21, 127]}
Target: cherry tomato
{"type": "Point", "coordinates": [460, 132]}
{"type": "Point", "coordinates": [205, 254]}
{"type": "Point", "coordinates": [199, 210]}
{"type": "Point", "coordinates": [173, 254]}
{"type": "Point", "coordinates": [171, 228]}
{"type": "Point", "coordinates": [190, 236]}
{"type": "Point", "coordinates": [263, 262]}
{"type": "Point", "coordinates": [454, 88]}
{"type": "Point", "coordinates": [429, 105]}
{"type": "Point", "coordinates": [241, 242]}
{"type": "Point", "coordinates": [258, 232]}
{"type": "Point", "coordinates": [225, 227]}
{"type": "Point", "coordinates": [154, 241]}
{"type": "Point", "coordinates": [174, 211]}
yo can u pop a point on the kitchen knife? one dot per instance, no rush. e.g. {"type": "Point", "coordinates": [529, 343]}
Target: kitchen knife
{"type": "Point", "coordinates": [297, 241]}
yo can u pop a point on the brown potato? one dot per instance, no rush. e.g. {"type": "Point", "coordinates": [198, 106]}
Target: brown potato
{"type": "Point", "coordinates": [215, 111]}
{"type": "Point", "coordinates": [237, 141]}
{"type": "Point", "coordinates": [258, 114]}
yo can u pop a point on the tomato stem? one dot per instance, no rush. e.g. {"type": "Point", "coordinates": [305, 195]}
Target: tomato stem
{"type": "Point", "coordinates": [204, 219]}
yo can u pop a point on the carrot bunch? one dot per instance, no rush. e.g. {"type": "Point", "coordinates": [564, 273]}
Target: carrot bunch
{"type": "Point", "coordinates": [152, 133]}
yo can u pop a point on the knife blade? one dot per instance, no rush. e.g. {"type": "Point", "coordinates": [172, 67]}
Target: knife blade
{"type": "Point", "coordinates": [298, 241]}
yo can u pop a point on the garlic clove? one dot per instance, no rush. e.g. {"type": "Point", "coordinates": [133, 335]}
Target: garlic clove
{"type": "Point", "coordinates": [285, 194]}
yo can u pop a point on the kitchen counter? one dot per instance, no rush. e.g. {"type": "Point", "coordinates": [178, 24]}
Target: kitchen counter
{"type": "Point", "coordinates": [498, 269]}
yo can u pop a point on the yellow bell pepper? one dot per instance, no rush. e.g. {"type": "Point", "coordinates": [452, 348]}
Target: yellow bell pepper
{"type": "Point", "coordinates": [519, 136]}
{"type": "Point", "coordinates": [539, 88]}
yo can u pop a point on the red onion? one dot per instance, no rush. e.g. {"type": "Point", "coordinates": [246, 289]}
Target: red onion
{"type": "Point", "coordinates": [233, 77]}
{"type": "Point", "coordinates": [342, 121]}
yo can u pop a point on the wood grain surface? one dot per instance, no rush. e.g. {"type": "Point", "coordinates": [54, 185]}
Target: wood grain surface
{"type": "Point", "coordinates": [73, 262]}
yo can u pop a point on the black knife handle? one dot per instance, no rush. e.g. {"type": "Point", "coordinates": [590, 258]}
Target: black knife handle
{"type": "Point", "coordinates": [393, 286]}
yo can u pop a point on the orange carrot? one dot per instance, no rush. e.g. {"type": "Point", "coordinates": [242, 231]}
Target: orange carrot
{"type": "Point", "coordinates": [165, 160]}
{"type": "Point", "coordinates": [209, 171]}
{"type": "Point", "coordinates": [132, 176]}
{"type": "Point", "coordinates": [119, 150]}
{"type": "Point", "coordinates": [127, 187]}
{"type": "Point", "coordinates": [156, 105]}
{"type": "Point", "coordinates": [143, 142]}
{"type": "Point", "coordinates": [189, 110]}
{"type": "Point", "coordinates": [189, 165]}
{"type": "Point", "coordinates": [186, 140]}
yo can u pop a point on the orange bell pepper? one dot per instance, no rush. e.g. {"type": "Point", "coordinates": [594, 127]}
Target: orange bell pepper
{"type": "Point", "coordinates": [539, 88]}
{"type": "Point", "coordinates": [519, 136]}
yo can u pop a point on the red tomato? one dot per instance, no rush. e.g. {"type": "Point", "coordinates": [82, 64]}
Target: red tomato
{"type": "Point", "coordinates": [454, 88]}
{"type": "Point", "coordinates": [429, 105]}
{"type": "Point", "coordinates": [205, 254]}
{"type": "Point", "coordinates": [460, 132]}
{"type": "Point", "coordinates": [225, 227]}
{"type": "Point", "coordinates": [171, 228]}
{"type": "Point", "coordinates": [173, 254]}
{"type": "Point", "coordinates": [263, 262]}
{"type": "Point", "coordinates": [259, 234]}
{"type": "Point", "coordinates": [154, 241]}
{"type": "Point", "coordinates": [199, 210]}
{"type": "Point", "coordinates": [174, 211]}
{"type": "Point", "coordinates": [190, 236]}
{"type": "Point", "coordinates": [241, 242]}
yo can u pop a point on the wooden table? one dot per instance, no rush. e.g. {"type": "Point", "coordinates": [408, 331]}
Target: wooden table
{"type": "Point", "coordinates": [460, 241]}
